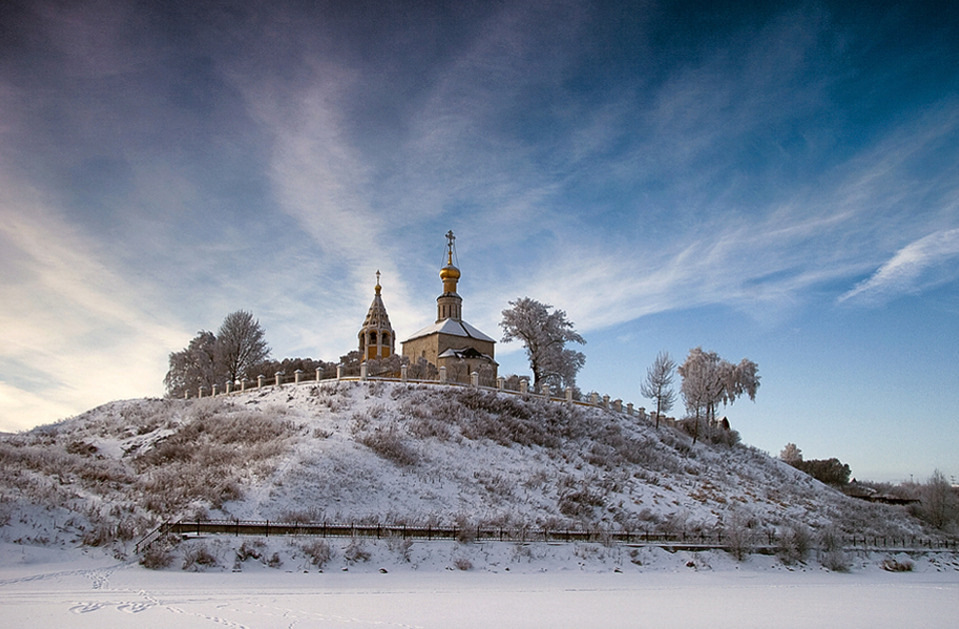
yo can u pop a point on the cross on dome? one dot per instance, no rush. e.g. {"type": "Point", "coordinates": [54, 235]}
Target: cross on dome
{"type": "Point", "coordinates": [449, 245]}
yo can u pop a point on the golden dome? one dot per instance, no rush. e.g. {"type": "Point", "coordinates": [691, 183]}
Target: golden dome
{"type": "Point", "coordinates": [449, 272]}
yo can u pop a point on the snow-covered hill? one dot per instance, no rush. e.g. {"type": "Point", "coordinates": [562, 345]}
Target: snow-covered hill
{"type": "Point", "coordinates": [394, 453]}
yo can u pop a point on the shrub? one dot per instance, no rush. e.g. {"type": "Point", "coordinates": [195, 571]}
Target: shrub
{"type": "Point", "coordinates": [401, 546]}
{"type": "Point", "coordinates": [157, 557]}
{"type": "Point", "coordinates": [197, 557]}
{"type": "Point", "coordinates": [580, 503]}
{"type": "Point", "coordinates": [831, 553]}
{"type": "Point", "coordinates": [462, 563]}
{"type": "Point", "coordinates": [794, 544]}
{"type": "Point", "coordinates": [274, 561]}
{"type": "Point", "coordinates": [892, 565]}
{"type": "Point", "coordinates": [388, 444]}
{"type": "Point", "coordinates": [319, 552]}
{"type": "Point", "coordinates": [356, 552]}
{"type": "Point", "coordinates": [250, 550]}
{"type": "Point", "coordinates": [739, 536]}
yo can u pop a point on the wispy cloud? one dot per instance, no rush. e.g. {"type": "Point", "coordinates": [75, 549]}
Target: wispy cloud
{"type": "Point", "coordinates": [74, 327]}
{"type": "Point", "coordinates": [918, 266]}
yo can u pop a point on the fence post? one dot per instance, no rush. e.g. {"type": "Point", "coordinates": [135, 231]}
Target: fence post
{"type": "Point", "coordinates": [618, 406]}
{"type": "Point", "coordinates": [319, 373]}
{"type": "Point", "coordinates": [214, 390]}
{"type": "Point", "coordinates": [404, 372]}
{"type": "Point", "coordinates": [474, 379]}
{"type": "Point", "coordinates": [443, 373]}
{"type": "Point", "coordinates": [500, 383]}
{"type": "Point", "coordinates": [629, 409]}
{"type": "Point", "coordinates": [297, 375]}
{"type": "Point", "coordinates": [243, 384]}
{"type": "Point", "coordinates": [339, 372]}
{"type": "Point", "coordinates": [227, 387]}
{"type": "Point", "coordinates": [569, 394]}
{"type": "Point", "coordinates": [199, 393]}
{"type": "Point", "coordinates": [259, 381]}
{"type": "Point", "coordinates": [544, 390]}
{"type": "Point", "coordinates": [363, 370]}
{"type": "Point", "coordinates": [594, 398]}
{"type": "Point", "coordinates": [523, 386]}
{"type": "Point", "coordinates": [278, 378]}
{"type": "Point", "coordinates": [186, 395]}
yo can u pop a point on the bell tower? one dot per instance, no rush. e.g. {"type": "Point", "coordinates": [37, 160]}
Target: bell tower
{"type": "Point", "coordinates": [449, 305]}
{"type": "Point", "coordinates": [451, 342]}
{"type": "Point", "coordinates": [376, 336]}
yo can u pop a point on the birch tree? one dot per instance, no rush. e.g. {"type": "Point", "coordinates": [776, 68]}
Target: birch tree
{"type": "Point", "coordinates": [709, 380]}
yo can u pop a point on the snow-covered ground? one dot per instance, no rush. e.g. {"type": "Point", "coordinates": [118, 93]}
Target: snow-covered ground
{"type": "Point", "coordinates": [45, 588]}
{"type": "Point", "coordinates": [75, 497]}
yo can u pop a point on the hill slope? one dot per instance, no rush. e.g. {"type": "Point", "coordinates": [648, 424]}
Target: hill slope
{"type": "Point", "coordinates": [392, 453]}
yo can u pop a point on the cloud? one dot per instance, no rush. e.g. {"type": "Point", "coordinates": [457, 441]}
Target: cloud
{"type": "Point", "coordinates": [76, 330]}
{"type": "Point", "coordinates": [919, 266]}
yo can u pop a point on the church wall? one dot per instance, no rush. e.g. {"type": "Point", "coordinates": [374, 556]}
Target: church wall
{"type": "Point", "coordinates": [430, 347]}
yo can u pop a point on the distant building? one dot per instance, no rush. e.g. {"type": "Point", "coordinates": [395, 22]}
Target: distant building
{"type": "Point", "coordinates": [376, 337]}
{"type": "Point", "coordinates": [451, 342]}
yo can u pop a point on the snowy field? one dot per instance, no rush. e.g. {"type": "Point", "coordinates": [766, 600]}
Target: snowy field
{"type": "Point", "coordinates": [37, 590]}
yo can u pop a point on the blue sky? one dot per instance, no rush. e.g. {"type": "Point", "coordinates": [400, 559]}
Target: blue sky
{"type": "Point", "coordinates": [771, 181]}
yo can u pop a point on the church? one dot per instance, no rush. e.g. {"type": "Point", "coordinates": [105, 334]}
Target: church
{"type": "Point", "coordinates": [449, 342]}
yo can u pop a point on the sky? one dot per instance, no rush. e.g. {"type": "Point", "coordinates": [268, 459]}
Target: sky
{"type": "Point", "coordinates": [772, 181]}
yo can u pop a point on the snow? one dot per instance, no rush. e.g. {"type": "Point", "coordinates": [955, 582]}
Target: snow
{"type": "Point", "coordinates": [454, 327]}
{"type": "Point", "coordinates": [57, 494]}
{"type": "Point", "coordinates": [43, 588]}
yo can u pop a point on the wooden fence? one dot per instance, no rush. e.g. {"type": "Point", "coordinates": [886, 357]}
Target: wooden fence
{"type": "Point", "coordinates": [762, 542]}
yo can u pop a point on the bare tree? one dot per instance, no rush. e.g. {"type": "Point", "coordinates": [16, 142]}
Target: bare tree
{"type": "Point", "coordinates": [939, 504]}
{"type": "Point", "coordinates": [544, 331]}
{"type": "Point", "coordinates": [657, 385]}
{"type": "Point", "coordinates": [240, 345]}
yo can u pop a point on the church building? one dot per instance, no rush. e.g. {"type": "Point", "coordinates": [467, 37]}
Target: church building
{"type": "Point", "coordinates": [451, 342]}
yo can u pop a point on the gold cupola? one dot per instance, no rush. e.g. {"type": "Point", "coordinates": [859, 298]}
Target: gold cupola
{"type": "Point", "coordinates": [449, 305]}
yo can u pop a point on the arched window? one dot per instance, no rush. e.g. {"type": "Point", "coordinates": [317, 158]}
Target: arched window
{"type": "Point", "coordinates": [372, 338]}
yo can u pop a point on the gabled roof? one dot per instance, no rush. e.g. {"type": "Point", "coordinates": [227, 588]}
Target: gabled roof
{"type": "Point", "coordinates": [466, 352]}
{"type": "Point", "coordinates": [452, 327]}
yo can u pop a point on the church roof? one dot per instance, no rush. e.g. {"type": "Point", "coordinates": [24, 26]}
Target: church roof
{"type": "Point", "coordinates": [453, 327]}
{"type": "Point", "coordinates": [377, 317]}
{"type": "Point", "coordinates": [466, 352]}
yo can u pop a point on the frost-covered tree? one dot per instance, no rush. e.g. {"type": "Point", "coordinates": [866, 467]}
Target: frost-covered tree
{"type": "Point", "coordinates": [939, 504]}
{"type": "Point", "coordinates": [234, 352]}
{"type": "Point", "coordinates": [658, 384]}
{"type": "Point", "coordinates": [240, 346]}
{"type": "Point", "coordinates": [709, 380]}
{"type": "Point", "coordinates": [544, 331]}
{"type": "Point", "coordinates": [192, 367]}
{"type": "Point", "coordinates": [791, 454]}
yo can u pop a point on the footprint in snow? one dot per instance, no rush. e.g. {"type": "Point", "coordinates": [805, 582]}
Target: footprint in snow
{"type": "Point", "coordinates": [86, 608]}
{"type": "Point", "coordinates": [133, 608]}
